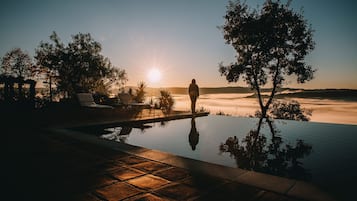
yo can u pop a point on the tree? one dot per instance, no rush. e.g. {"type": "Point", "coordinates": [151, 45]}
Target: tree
{"type": "Point", "coordinates": [270, 44]}
{"type": "Point", "coordinates": [78, 66]}
{"type": "Point", "coordinates": [166, 101]}
{"type": "Point", "coordinates": [17, 64]}
{"type": "Point", "coordinates": [140, 92]}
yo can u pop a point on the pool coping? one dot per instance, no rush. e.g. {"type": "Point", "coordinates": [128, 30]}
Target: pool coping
{"type": "Point", "coordinates": [284, 186]}
{"type": "Point", "coordinates": [140, 120]}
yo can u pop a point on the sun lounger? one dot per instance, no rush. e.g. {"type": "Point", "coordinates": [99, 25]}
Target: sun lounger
{"type": "Point", "coordinates": [86, 100]}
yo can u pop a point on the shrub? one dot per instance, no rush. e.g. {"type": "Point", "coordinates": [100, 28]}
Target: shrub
{"type": "Point", "coordinates": [290, 110]}
{"type": "Point", "coordinates": [166, 101]}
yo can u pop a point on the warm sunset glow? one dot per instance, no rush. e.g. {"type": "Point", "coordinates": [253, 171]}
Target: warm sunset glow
{"type": "Point", "coordinates": [154, 75]}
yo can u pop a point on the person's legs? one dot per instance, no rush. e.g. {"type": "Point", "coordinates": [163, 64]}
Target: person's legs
{"type": "Point", "coordinates": [193, 104]}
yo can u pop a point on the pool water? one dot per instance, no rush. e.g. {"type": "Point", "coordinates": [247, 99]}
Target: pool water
{"type": "Point", "coordinates": [323, 154]}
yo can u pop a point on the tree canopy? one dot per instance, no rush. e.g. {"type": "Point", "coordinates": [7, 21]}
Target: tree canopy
{"type": "Point", "coordinates": [78, 66]}
{"type": "Point", "coordinates": [140, 92]}
{"type": "Point", "coordinates": [271, 43]}
{"type": "Point", "coordinates": [16, 63]}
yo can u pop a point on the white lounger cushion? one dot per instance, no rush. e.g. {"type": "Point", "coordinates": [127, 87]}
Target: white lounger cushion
{"type": "Point", "coordinates": [86, 100]}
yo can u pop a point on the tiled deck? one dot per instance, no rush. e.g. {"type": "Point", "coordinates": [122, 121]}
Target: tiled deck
{"type": "Point", "coordinates": [54, 167]}
{"type": "Point", "coordinates": [47, 165]}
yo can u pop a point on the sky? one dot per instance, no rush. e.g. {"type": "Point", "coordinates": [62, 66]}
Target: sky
{"type": "Point", "coordinates": [178, 38]}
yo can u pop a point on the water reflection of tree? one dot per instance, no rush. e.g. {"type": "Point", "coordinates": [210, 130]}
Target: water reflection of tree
{"type": "Point", "coordinates": [257, 152]}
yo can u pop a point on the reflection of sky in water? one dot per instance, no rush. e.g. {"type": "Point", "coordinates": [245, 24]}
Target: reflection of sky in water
{"type": "Point", "coordinates": [324, 110]}
{"type": "Point", "coordinates": [332, 163]}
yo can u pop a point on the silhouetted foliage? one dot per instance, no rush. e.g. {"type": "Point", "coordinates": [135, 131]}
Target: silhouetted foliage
{"type": "Point", "coordinates": [140, 92]}
{"type": "Point", "coordinates": [269, 154]}
{"type": "Point", "coordinates": [78, 66]}
{"type": "Point", "coordinates": [223, 114]}
{"type": "Point", "coordinates": [166, 101]}
{"type": "Point", "coordinates": [289, 110]}
{"type": "Point", "coordinates": [17, 67]}
{"type": "Point", "coordinates": [130, 92]}
{"type": "Point", "coordinates": [270, 44]}
{"type": "Point", "coordinates": [17, 63]}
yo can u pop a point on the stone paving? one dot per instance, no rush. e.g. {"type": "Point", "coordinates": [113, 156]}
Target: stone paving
{"type": "Point", "coordinates": [48, 166]}
{"type": "Point", "coordinates": [43, 163]}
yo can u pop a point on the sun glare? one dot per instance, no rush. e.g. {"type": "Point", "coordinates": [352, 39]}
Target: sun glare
{"type": "Point", "coordinates": [154, 75]}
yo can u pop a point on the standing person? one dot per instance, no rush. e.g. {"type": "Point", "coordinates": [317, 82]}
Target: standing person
{"type": "Point", "coordinates": [193, 91]}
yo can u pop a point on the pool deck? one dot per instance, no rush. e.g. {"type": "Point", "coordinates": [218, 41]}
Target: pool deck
{"type": "Point", "coordinates": [55, 163]}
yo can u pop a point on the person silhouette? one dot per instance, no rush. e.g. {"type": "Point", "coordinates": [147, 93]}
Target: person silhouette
{"type": "Point", "coordinates": [193, 91]}
{"type": "Point", "coordinates": [193, 137]}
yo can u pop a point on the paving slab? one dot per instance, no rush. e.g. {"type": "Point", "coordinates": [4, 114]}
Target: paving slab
{"type": "Point", "coordinates": [84, 197]}
{"type": "Point", "coordinates": [125, 173]}
{"type": "Point", "coordinates": [269, 196]}
{"type": "Point", "coordinates": [148, 182]}
{"type": "Point", "coordinates": [95, 182]}
{"type": "Point", "coordinates": [264, 181]}
{"type": "Point", "coordinates": [146, 197]}
{"type": "Point", "coordinates": [117, 191]}
{"type": "Point", "coordinates": [173, 174]}
{"type": "Point", "coordinates": [179, 192]}
{"type": "Point", "coordinates": [154, 154]}
{"type": "Point", "coordinates": [203, 182]}
{"type": "Point", "coordinates": [131, 160]}
{"type": "Point", "coordinates": [150, 166]}
{"type": "Point", "coordinates": [204, 167]}
{"type": "Point", "coordinates": [233, 191]}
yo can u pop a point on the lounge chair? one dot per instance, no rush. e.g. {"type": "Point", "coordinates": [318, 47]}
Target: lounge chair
{"type": "Point", "coordinates": [125, 99]}
{"type": "Point", "coordinates": [86, 100]}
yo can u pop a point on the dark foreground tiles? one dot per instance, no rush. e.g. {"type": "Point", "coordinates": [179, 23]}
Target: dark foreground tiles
{"type": "Point", "coordinates": [203, 182]}
{"type": "Point", "coordinates": [150, 166]}
{"type": "Point", "coordinates": [131, 160]}
{"type": "Point", "coordinates": [146, 197]}
{"type": "Point", "coordinates": [125, 173]}
{"type": "Point", "coordinates": [269, 196]}
{"type": "Point", "coordinates": [117, 191]}
{"type": "Point", "coordinates": [173, 174]}
{"type": "Point", "coordinates": [103, 181]}
{"type": "Point", "coordinates": [179, 192]}
{"type": "Point", "coordinates": [80, 184]}
{"type": "Point", "coordinates": [148, 182]}
{"type": "Point", "coordinates": [83, 197]}
{"type": "Point", "coordinates": [233, 191]}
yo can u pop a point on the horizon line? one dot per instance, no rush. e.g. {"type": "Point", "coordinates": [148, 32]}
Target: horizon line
{"type": "Point", "coordinates": [206, 87]}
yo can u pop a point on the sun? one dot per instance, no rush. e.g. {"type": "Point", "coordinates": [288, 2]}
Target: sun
{"type": "Point", "coordinates": [154, 75]}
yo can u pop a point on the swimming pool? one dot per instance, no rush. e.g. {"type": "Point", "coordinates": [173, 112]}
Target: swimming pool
{"type": "Point", "coordinates": [323, 154]}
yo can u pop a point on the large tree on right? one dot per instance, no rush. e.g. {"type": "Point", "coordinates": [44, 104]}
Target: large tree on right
{"type": "Point", "coordinates": [271, 44]}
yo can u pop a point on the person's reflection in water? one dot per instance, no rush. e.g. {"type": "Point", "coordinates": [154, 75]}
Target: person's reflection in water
{"type": "Point", "coordinates": [193, 137]}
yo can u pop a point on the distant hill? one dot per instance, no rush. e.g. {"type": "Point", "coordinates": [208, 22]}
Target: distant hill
{"type": "Point", "coordinates": [337, 94]}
